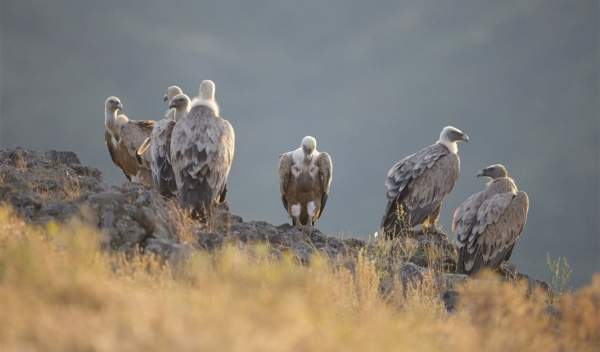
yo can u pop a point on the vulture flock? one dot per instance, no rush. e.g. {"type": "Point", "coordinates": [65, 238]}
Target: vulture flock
{"type": "Point", "coordinates": [188, 155]}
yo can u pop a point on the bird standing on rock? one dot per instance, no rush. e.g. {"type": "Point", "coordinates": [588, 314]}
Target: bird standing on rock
{"type": "Point", "coordinates": [159, 145]}
{"type": "Point", "coordinates": [202, 150]}
{"type": "Point", "coordinates": [416, 186]}
{"type": "Point", "coordinates": [123, 138]}
{"type": "Point", "coordinates": [304, 180]}
{"type": "Point", "coordinates": [489, 223]}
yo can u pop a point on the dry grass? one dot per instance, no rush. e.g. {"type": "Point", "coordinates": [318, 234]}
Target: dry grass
{"type": "Point", "coordinates": [59, 292]}
{"type": "Point", "coordinates": [67, 188]}
{"type": "Point", "coordinates": [21, 163]}
{"type": "Point", "coordinates": [186, 226]}
{"type": "Point", "coordinates": [72, 188]}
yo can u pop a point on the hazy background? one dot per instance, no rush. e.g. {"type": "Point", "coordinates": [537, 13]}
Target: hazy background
{"type": "Point", "coordinates": [372, 82]}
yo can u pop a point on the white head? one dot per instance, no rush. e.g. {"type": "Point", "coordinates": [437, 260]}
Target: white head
{"type": "Point", "coordinates": [172, 91]}
{"type": "Point", "coordinates": [112, 104]}
{"type": "Point", "coordinates": [207, 90]}
{"type": "Point", "coordinates": [309, 145]}
{"type": "Point", "coordinates": [181, 104]}
{"type": "Point", "coordinates": [113, 119]}
{"type": "Point", "coordinates": [207, 97]}
{"type": "Point", "coordinates": [450, 136]}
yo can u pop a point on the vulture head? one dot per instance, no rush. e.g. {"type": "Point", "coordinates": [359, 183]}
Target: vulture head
{"type": "Point", "coordinates": [453, 134]}
{"type": "Point", "coordinates": [179, 102]}
{"type": "Point", "coordinates": [206, 96]}
{"type": "Point", "coordinates": [309, 145]}
{"type": "Point", "coordinates": [113, 104]}
{"type": "Point", "coordinates": [207, 90]}
{"type": "Point", "coordinates": [172, 91]}
{"type": "Point", "coordinates": [450, 136]}
{"type": "Point", "coordinates": [493, 171]}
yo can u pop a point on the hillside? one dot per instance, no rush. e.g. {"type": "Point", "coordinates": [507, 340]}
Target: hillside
{"type": "Point", "coordinates": [90, 266]}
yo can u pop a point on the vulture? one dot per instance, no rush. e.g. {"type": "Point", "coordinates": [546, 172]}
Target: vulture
{"type": "Point", "coordinates": [159, 142]}
{"type": "Point", "coordinates": [123, 138]}
{"type": "Point", "coordinates": [416, 185]}
{"type": "Point", "coordinates": [489, 222]}
{"type": "Point", "coordinates": [202, 148]}
{"type": "Point", "coordinates": [304, 182]}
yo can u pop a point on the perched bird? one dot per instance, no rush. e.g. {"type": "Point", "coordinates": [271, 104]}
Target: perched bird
{"type": "Point", "coordinates": [123, 138]}
{"type": "Point", "coordinates": [416, 185]}
{"type": "Point", "coordinates": [159, 144]}
{"type": "Point", "coordinates": [489, 222]}
{"type": "Point", "coordinates": [304, 182]}
{"type": "Point", "coordinates": [202, 149]}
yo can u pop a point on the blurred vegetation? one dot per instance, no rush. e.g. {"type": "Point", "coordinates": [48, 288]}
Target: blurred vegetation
{"type": "Point", "coordinates": [60, 292]}
{"type": "Point", "coordinates": [561, 274]}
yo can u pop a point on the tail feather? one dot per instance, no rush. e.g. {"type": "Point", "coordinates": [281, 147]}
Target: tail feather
{"type": "Point", "coordinates": [197, 196]}
{"type": "Point", "coordinates": [469, 263]}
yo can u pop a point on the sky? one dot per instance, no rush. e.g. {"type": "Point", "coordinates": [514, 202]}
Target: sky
{"type": "Point", "coordinates": [373, 82]}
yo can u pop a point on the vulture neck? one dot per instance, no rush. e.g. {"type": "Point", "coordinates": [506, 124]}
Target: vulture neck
{"type": "Point", "coordinates": [452, 146]}
{"type": "Point", "coordinates": [209, 103]}
{"type": "Point", "coordinates": [179, 114]}
{"type": "Point", "coordinates": [308, 158]}
{"type": "Point", "coordinates": [110, 120]}
{"type": "Point", "coordinates": [502, 185]}
{"type": "Point", "coordinates": [301, 158]}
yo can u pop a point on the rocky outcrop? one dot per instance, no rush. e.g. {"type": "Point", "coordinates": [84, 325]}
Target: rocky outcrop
{"type": "Point", "coordinates": [54, 186]}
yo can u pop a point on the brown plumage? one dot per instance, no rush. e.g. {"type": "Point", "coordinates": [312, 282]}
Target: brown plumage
{"type": "Point", "coordinates": [123, 137]}
{"type": "Point", "coordinates": [489, 223]}
{"type": "Point", "coordinates": [158, 145]}
{"type": "Point", "coordinates": [420, 182]}
{"type": "Point", "coordinates": [305, 176]}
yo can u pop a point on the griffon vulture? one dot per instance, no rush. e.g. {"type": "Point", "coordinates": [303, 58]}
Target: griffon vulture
{"type": "Point", "coordinates": [123, 138]}
{"type": "Point", "coordinates": [304, 182]}
{"type": "Point", "coordinates": [159, 143]}
{"type": "Point", "coordinates": [489, 223]}
{"type": "Point", "coordinates": [202, 148]}
{"type": "Point", "coordinates": [416, 185]}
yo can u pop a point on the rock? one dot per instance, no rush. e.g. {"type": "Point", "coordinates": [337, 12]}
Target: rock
{"type": "Point", "coordinates": [45, 186]}
{"type": "Point", "coordinates": [66, 158]}
{"type": "Point", "coordinates": [174, 253]}
{"type": "Point", "coordinates": [54, 186]}
{"type": "Point", "coordinates": [509, 272]}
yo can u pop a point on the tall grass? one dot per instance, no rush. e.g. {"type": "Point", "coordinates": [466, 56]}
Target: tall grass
{"type": "Point", "coordinates": [60, 292]}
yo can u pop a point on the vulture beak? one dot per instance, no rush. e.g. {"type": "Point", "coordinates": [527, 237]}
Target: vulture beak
{"type": "Point", "coordinates": [165, 98]}
{"type": "Point", "coordinates": [465, 138]}
{"type": "Point", "coordinates": [120, 106]}
{"type": "Point", "coordinates": [481, 173]}
{"type": "Point", "coordinates": [172, 105]}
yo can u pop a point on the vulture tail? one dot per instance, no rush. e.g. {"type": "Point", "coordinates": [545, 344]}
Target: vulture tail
{"type": "Point", "coordinates": [223, 194]}
{"type": "Point", "coordinates": [395, 221]}
{"type": "Point", "coordinates": [196, 195]}
{"type": "Point", "coordinates": [469, 263]}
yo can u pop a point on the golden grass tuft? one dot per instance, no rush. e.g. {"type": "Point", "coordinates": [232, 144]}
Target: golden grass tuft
{"type": "Point", "coordinates": [60, 292]}
{"type": "Point", "coordinates": [20, 163]}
